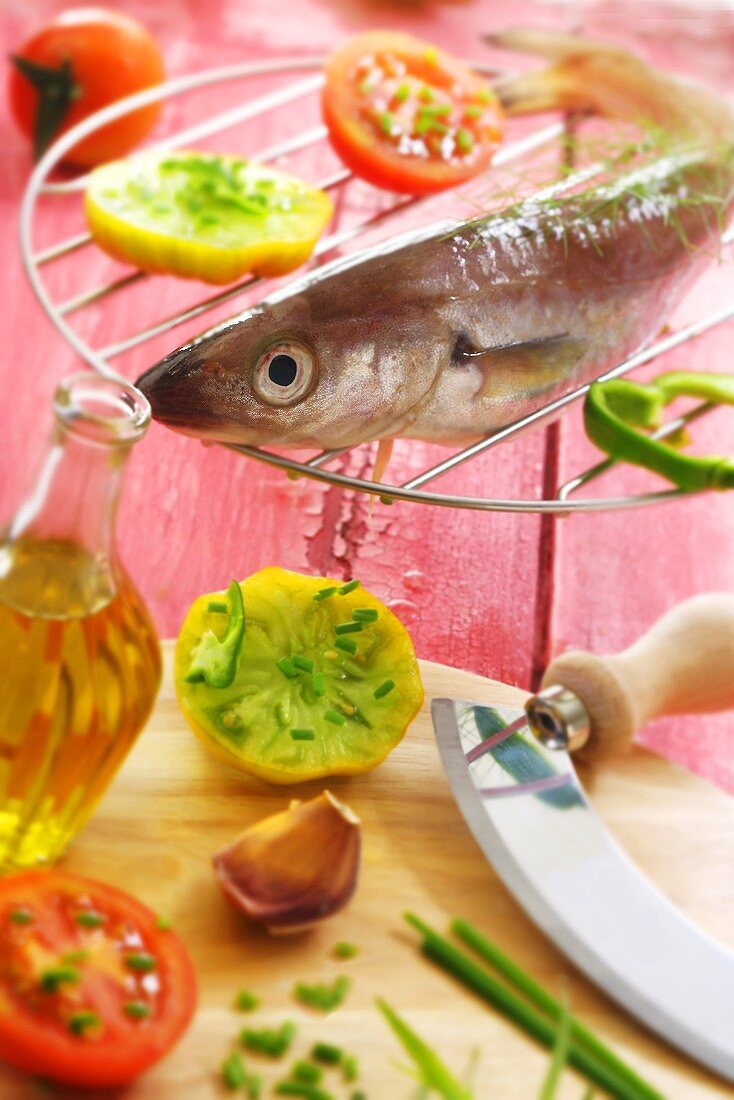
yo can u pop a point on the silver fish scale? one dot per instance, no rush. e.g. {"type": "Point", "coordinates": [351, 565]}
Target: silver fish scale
{"type": "Point", "coordinates": [38, 200]}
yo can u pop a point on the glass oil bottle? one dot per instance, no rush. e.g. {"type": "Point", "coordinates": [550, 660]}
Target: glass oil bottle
{"type": "Point", "coordinates": [79, 658]}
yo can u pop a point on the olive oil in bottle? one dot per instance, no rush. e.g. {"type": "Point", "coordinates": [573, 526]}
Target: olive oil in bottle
{"type": "Point", "coordinates": [79, 658]}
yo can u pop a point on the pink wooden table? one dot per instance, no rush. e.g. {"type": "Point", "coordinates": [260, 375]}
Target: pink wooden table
{"type": "Point", "coordinates": [497, 594]}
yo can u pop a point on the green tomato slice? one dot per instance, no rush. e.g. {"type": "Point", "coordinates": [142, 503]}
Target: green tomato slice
{"type": "Point", "coordinates": [325, 685]}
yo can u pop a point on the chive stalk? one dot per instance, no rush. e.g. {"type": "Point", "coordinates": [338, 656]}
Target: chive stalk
{"type": "Point", "coordinates": [141, 961]}
{"type": "Point", "coordinates": [348, 628]}
{"type": "Point", "coordinates": [433, 1073]}
{"type": "Point", "coordinates": [622, 1086]}
{"type": "Point", "coordinates": [21, 916]}
{"type": "Point", "coordinates": [327, 1054]}
{"type": "Point", "coordinates": [334, 717]}
{"type": "Point", "coordinates": [245, 1001]}
{"type": "Point", "coordinates": [234, 1074]}
{"type": "Point", "coordinates": [88, 918]}
{"type": "Point", "coordinates": [521, 980]}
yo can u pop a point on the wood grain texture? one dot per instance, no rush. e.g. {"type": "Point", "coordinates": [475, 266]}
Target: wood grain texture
{"type": "Point", "coordinates": [467, 584]}
{"type": "Point", "coordinates": [173, 805]}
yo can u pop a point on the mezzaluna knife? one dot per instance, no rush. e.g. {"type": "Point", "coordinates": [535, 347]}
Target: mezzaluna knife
{"type": "Point", "coordinates": [522, 800]}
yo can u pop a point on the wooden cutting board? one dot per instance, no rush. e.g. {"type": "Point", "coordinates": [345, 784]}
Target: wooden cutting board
{"type": "Point", "coordinates": [173, 805]}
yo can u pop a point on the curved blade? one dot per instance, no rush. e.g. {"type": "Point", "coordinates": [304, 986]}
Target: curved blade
{"type": "Point", "coordinates": [530, 816]}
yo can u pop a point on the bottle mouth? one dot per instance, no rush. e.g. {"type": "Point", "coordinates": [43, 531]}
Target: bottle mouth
{"type": "Point", "coordinates": [101, 410]}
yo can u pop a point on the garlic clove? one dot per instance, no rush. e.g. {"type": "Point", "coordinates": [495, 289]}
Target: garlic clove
{"type": "Point", "coordinates": [296, 867]}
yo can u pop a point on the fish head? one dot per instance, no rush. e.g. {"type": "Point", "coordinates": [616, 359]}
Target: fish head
{"type": "Point", "coordinates": [299, 370]}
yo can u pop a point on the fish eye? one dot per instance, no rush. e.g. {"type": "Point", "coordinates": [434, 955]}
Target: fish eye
{"type": "Point", "coordinates": [284, 373]}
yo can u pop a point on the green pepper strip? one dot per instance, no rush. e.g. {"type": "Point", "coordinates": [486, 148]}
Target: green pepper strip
{"type": "Point", "coordinates": [615, 411]}
{"type": "Point", "coordinates": [215, 660]}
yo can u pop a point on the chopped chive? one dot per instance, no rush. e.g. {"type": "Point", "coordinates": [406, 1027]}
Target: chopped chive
{"type": "Point", "coordinates": [350, 1067]}
{"type": "Point", "coordinates": [365, 614]}
{"type": "Point", "coordinates": [306, 1072]}
{"type": "Point", "coordinates": [246, 1001]}
{"type": "Point", "coordinates": [80, 1021]}
{"type": "Point", "coordinates": [431, 55]}
{"type": "Point", "coordinates": [423, 125]}
{"type": "Point", "coordinates": [327, 1054]}
{"type": "Point", "coordinates": [324, 593]}
{"type": "Point", "coordinates": [473, 111]}
{"type": "Point", "coordinates": [322, 996]}
{"type": "Point", "coordinates": [141, 961]}
{"type": "Point", "coordinates": [426, 94]}
{"type": "Point", "coordinates": [274, 1042]}
{"type": "Point", "coordinates": [287, 667]}
{"type": "Point", "coordinates": [136, 1010]}
{"type": "Point", "coordinates": [348, 628]}
{"type": "Point", "coordinates": [21, 916]}
{"type": "Point", "coordinates": [234, 1074]}
{"type": "Point", "coordinates": [217, 606]}
{"type": "Point", "coordinates": [384, 689]}
{"type": "Point", "coordinates": [438, 110]}
{"type": "Point", "coordinates": [254, 1086]}
{"type": "Point", "coordinates": [88, 918]}
{"type": "Point", "coordinates": [73, 958]}
{"type": "Point", "coordinates": [358, 1095]}
{"type": "Point", "coordinates": [303, 735]}
{"type": "Point", "coordinates": [437, 127]}
{"type": "Point", "coordinates": [300, 1088]}
{"type": "Point", "coordinates": [345, 950]}
{"type": "Point", "coordinates": [55, 976]}
{"type": "Point", "coordinates": [386, 122]}
{"type": "Point", "coordinates": [304, 663]}
{"type": "Point", "coordinates": [318, 683]}
{"type": "Point", "coordinates": [347, 644]}
{"type": "Point", "coordinates": [402, 92]}
{"type": "Point", "coordinates": [365, 87]}
{"type": "Point", "coordinates": [349, 587]}
{"type": "Point", "coordinates": [484, 95]}
{"type": "Point", "coordinates": [163, 924]}
{"type": "Point", "coordinates": [334, 717]}
{"type": "Point", "coordinates": [464, 141]}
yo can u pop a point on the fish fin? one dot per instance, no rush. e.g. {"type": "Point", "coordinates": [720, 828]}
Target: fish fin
{"type": "Point", "coordinates": [589, 75]}
{"type": "Point", "coordinates": [535, 364]}
{"type": "Point", "coordinates": [382, 458]}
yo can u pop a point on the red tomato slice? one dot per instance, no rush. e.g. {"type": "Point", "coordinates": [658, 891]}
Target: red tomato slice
{"type": "Point", "coordinates": [406, 116]}
{"type": "Point", "coordinates": [92, 990]}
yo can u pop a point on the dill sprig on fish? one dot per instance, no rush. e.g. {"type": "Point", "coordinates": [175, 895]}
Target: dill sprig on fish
{"type": "Point", "coordinates": [455, 331]}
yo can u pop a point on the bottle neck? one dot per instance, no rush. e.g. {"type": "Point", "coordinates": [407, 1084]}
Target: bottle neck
{"type": "Point", "coordinates": [75, 496]}
{"type": "Point", "coordinates": [59, 558]}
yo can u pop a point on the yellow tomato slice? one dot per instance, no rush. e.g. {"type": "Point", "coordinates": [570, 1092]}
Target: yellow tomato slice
{"type": "Point", "coordinates": [325, 685]}
{"type": "Point", "coordinates": [204, 216]}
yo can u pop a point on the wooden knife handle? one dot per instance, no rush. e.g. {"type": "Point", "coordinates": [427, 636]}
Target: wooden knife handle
{"type": "Point", "coordinates": [683, 665]}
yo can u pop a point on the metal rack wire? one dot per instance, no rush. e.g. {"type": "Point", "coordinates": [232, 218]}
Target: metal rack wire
{"type": "Point", "coordinates": [293, 90]}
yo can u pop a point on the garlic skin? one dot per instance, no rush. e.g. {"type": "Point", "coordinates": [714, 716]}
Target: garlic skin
{"type": "Point", "coordinates": [296, 867]}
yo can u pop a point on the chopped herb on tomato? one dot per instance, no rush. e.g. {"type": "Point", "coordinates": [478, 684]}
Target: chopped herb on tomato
{"type": "Point", "coordinates": [204, 216]}
{"type": "Point", "coordinates": [92, 992]}
{"type": "Point", "coordinates": [407, 116]}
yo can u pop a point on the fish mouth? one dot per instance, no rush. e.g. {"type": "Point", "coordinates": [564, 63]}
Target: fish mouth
{"type": "Point", "coordinates": [176, 388]}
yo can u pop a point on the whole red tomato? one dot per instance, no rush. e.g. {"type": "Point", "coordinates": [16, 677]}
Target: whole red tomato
{"type": "Point", "coordinates": [83, 60]}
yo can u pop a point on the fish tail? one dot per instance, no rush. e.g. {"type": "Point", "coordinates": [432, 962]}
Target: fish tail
{"type": "Point", "coordinates": [588, 75]}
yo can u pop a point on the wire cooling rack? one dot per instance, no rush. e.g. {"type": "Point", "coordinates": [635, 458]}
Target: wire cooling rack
{"type": "Point", "coordinates": [300, 78]}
